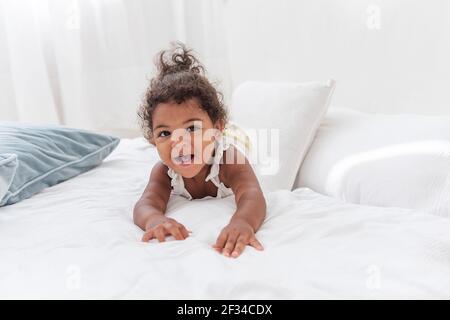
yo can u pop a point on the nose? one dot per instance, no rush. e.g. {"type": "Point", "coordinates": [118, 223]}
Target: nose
{"type": "Point", "coordinates": [181, 139]}
{"type": "Point", "coordinates": [181, 144]}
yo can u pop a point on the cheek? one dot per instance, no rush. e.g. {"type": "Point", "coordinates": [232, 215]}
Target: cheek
{"type": "Point", "coordinates": [207, 145]}
{"type": "Point", "coordinates": [205, 150]}
{"type": "Point", "coordinates": [163, 150]}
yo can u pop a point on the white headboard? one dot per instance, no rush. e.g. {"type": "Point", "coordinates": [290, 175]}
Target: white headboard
{"type": "Point", "coordinates": [386, 56]}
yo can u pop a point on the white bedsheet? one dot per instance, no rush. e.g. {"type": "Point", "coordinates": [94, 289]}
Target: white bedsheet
{"type": "Point", "coordinates": [78, 240]}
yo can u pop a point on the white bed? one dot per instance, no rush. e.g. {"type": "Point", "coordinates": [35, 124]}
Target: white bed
{"type": "Point", "coordinates": [77, 240]}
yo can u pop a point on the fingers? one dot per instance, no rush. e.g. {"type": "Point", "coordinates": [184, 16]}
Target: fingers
{"type": "Point", "coordinates": [170, 227]}
{"type": "Point", "coordinates": [174, 230]}
{"type": "Point", "coordinates": [148, 235]}
{"type": "Point", "coordinates": [240, 246]}
{"type": "Point", "coordinates": [232, 245]}
{"type": "Point", "coordinates": [221, 240]}
{"type": "Point", "coordinates": [184, 231]}
{"type": "Point", "coordinates": [160, 234]}
{"type": "Point", "coordinates": [229, 246]}
{"type": "Point", "coordinates": [256, 244]}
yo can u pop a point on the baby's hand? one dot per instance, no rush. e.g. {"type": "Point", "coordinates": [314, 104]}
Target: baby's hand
{"type": "Point", "coordinates": [234, 237]}
{"type": "Point", "coordinates": [161, 227]}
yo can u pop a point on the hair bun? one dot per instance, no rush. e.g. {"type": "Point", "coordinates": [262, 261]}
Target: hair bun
{"type": "Point", "coordinates": [178, 58]}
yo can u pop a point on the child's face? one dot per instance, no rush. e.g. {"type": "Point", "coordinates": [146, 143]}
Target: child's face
{"type": "Point", "coordinates": [184, 136]}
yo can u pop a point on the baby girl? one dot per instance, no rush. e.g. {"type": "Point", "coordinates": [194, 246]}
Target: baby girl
{"type": "Point", "coordinates": [183, 116]}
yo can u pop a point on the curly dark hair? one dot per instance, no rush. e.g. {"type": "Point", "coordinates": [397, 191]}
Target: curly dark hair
{"type": "Point", "coordinates": [180, 77]}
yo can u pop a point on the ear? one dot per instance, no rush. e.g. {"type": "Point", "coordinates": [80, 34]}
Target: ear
{"type": "Point", "coordinates": [219, 125]}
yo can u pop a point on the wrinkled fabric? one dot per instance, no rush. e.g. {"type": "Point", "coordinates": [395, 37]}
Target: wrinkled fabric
{"type": "Point", "coordinates": [78, 240]}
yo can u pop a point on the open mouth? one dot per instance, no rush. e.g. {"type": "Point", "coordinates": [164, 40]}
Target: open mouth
{"type": "Point", "coordinates": [184, 159]}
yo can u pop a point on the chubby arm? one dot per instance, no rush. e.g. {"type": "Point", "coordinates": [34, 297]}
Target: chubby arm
{"type": "Point", "coordinates": [251, 207]}
{"type": "Point", "coordinates": [153, 201]}
{"type": "Point", "coordinates": [149, 210]}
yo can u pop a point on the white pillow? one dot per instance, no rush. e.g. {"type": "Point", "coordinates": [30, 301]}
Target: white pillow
{"type": "Point", "coordinates": [280, 118]}
{"type": "Point", "coordinates": [381, 160]}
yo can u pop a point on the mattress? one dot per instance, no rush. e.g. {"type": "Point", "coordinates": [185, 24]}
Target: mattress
{"type": "Point", "coordinates": [77, 240]}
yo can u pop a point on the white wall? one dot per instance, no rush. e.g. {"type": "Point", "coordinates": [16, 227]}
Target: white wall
{"type": "Point", "coordinates": [388, 56]}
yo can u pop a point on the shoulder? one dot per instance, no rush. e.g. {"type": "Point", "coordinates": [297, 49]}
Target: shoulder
{"type": "Point", "coordinates": [232, 155]}
{"type": "Point", "coordinates": [160, 167]}
{"type": "Point", "coordinates": [159, 172]}
{"type": "Point", "coordinates": [159, 182]}
{"type": "Point", "coordinates": [234, 163]}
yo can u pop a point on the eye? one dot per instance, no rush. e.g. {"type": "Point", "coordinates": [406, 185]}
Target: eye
{"type": "Point", "coordinates": [193, 128]}
{"type": "Point", "coordinates": [164, 133]}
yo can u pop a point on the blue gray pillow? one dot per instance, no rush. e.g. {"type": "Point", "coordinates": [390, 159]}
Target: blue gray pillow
{"type": "Point", "coordinates": [33, 157]}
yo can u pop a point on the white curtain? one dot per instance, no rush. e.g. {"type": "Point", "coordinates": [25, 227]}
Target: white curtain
{"type": "Point", "coordinates": [86, 63]}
